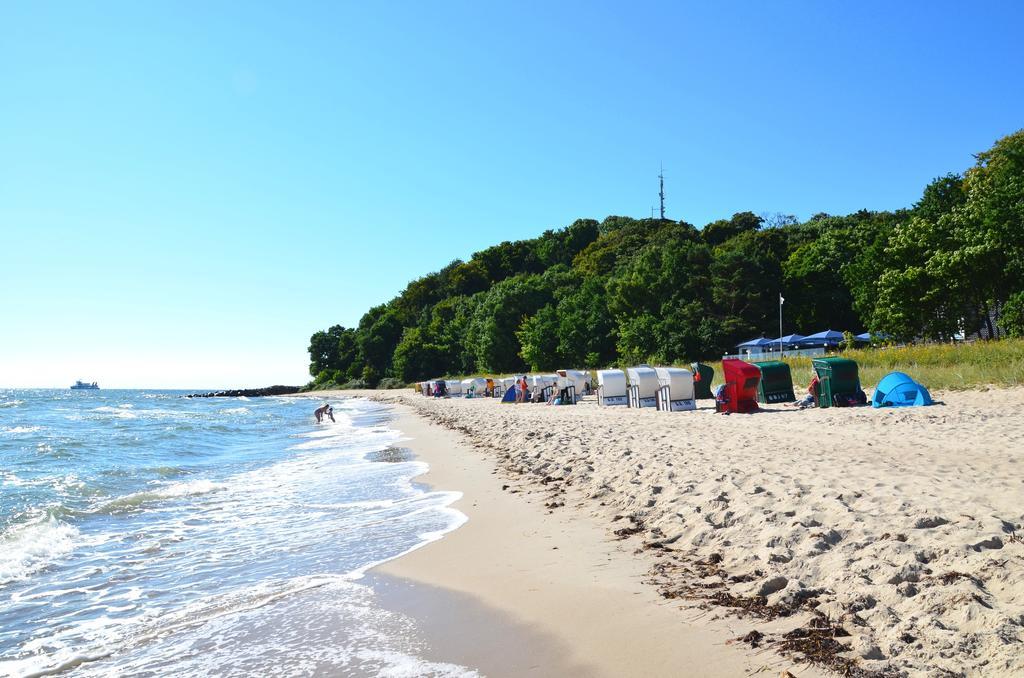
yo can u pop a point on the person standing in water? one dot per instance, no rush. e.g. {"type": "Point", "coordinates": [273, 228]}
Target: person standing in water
{"type": "Point", "coordinates": [321, 411]}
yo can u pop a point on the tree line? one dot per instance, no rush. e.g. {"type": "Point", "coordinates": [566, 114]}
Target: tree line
{"type": "Point", "coordinates": [627, 290]}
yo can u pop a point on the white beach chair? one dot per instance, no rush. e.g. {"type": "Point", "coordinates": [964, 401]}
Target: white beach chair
{"type": "Point", "coordinates": [643, 386]}
{"type": "Point", "coordinates": [572, 381]}
{"type": "Point", "coordinates": [675, 392]}
{"type": "Point", "coordinates": [541, 385]}
{"type": "Point", "coordinates": [611, 387]}
{"type": "Point", "coordinates": [478, 384]}
{"type": "Point", "coordinates": [454, 387]}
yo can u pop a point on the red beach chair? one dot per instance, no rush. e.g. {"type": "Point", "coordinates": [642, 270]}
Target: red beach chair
{"type": "Point", "coordinates": [739, 394]}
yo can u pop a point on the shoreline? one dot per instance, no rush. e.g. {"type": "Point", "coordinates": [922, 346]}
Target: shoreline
{"type": "Point", "coordinates": [571, 597]}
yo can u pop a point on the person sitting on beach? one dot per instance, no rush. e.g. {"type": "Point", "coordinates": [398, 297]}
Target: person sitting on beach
{"type": "Point", "coordinates": [812, 394]}
{"type": "Point", "coordinates": [321, 411]}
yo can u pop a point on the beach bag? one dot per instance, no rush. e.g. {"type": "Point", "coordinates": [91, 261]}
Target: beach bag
{"type": "Point", "coordinates": [849, 399]}
{"type": "Point", "coordinates": [721, 398]}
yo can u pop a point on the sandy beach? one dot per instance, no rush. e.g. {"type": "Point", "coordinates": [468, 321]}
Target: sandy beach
{"type": "Point", "coordinates": [893, 533]}
{"type": "Point", "coordinates": [572, 592]}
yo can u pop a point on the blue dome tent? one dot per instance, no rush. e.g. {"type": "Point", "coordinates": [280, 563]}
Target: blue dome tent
{"type": "Point", "coordinates": [899, 390]}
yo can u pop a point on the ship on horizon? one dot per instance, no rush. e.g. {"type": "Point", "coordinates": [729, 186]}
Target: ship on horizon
{"type": "Point", "coordinates": [79, 385]}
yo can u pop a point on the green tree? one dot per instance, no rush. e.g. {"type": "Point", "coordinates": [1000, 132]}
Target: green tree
{"type": "Point", "coordinates": [717, 232]}
{"type": "Point", "coordinates": [1013, 315]}
{"type": "Point", "coordinates": [538, 337]}
{"type": "Point", "coordinates": [416, 359]}
{"type": "Point", "coordinates": [746, 278]}
{"type": "Point", "coordinates": [501, 313]}
{"type": "Point", "coordinates": [380, 330]}
{"type": "Point", "coordinates": [332, 351]}
{"type": "Point", "coordinates": [989, 226]}
{"type": "Point", "coordinates": [586, 328]}
{"type": "Point", "coordinates": [817, 294]}
{"type": "Point", "coordinates": [449, 328]}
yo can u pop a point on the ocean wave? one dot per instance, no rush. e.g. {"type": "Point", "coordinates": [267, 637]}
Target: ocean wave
{"type": "Point", "coordinates": [213, 607]}
{"type": "Point", "coordinates": [236, 410]}
{"type": "Point", "coordinates": [12, 403]}
{"type": "Point", "coordinates": [368, 504]}
{"type": "Point", "coordinates": [14, 430]}
{"type": "Point", "coordinates": [29, 547]}
{"type": "Point", "coordinates": [456, 519]}
{"type": "Point", "coordinates": [168, 471]}
{"type": "Point", "coordinates": [391, 664]}
{"type": "Point", "coordinates": [130, 502]}
{"type": "Point", "coordinates": [119, 412]}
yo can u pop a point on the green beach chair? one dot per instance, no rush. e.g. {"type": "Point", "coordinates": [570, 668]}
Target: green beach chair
{"type": "Point", "coordinates": [838, 382]}
{"type": "Point", "coordinates": [702, 386]}
{"type": "Point", "coordinates": [776, 383]}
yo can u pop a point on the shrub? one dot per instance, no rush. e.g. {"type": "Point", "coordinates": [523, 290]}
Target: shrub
{"type": "Point", "coordinates": [355, 385]}
{"type": "Point", "coordinates": [1013, 315]}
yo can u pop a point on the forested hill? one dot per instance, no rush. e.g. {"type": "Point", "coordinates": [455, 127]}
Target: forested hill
{"type": "Point", "coordinates": [646, 290]}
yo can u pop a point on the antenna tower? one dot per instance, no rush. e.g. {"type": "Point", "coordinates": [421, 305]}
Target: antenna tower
{"type": "Point", "coordinates": [661, 190]}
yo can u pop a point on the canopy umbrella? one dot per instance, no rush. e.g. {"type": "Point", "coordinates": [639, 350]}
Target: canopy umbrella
{"type": "Point", "coordinates": [827, 337]}
{"type": "Point", "coordinates": [755, 343]}
{"type": "Point", "coordinates": [789, 339]}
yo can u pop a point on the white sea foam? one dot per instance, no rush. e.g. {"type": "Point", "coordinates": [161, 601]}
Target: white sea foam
{"type": "Point", "coordinates": [162, 492]}
{"type": "Point", "coordinates": [334, 628]}
{"type": "Point", "coordinates": [456, 519]}
{"type": "Point", "coordinates": [8, 478]}
{"type": "Point", "coordinates": [14, 430]}
{"type": "Point", "coordinates": [119, 412]}
{"type": "Point", "coordinates": [236, 411]}
{"type": "Point", "coordinates": [384, 503]}
{"type": "Point", "coordinates": [400, 665]}
{"type": "Point", "coordinates": [30, 547]}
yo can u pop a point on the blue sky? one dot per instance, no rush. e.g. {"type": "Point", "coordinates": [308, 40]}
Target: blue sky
{"type": "Point", "coordinates": [188, 190]}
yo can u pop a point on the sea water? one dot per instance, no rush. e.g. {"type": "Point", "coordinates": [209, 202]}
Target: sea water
{"type": "Point", "coordinates": [143, 533]}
